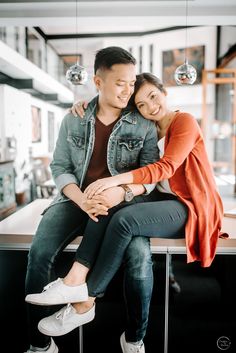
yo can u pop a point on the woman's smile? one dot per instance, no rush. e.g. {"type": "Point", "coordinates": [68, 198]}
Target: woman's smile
{"type": "Point", "coordinates": [156, 111]}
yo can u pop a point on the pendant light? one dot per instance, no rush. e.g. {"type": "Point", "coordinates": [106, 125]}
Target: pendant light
{"type": "Point", "coordinates": [185, 74]}
{"type": "Point", "coordinates": [77, 74]}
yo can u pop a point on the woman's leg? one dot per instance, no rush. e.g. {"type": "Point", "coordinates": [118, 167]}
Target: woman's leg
{"type": "Point", "coordinates": [87, 253]}
{"type": "Point", "coordinates": [89, 247]}
{"type": "Point", "coordinates": [162, 219]}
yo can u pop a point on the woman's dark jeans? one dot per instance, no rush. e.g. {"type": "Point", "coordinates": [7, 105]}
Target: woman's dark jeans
{"type": "Point", "coordinates": [62, 223]}
{"type": "Point", "coordinates": [161, 216]}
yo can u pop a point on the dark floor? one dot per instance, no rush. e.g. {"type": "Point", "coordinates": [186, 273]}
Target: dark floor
{"type": "Point", "coordinates": [200, 315]}
{"type": "Point", "coordinates": [205, 309]}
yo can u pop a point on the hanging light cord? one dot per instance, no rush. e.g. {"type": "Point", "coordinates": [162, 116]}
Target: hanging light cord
{"type": "Point", "coordinates": [186, 32]}
{"type": "Point", "coordinates": [76, 30]}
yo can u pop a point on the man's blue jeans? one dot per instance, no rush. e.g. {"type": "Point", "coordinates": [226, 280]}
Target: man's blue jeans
{"type": "Point", "coordinates": [60, 224]}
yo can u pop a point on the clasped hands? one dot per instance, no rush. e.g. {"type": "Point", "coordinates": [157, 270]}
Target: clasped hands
{"type": "Point", "coordinates": [99, 197]}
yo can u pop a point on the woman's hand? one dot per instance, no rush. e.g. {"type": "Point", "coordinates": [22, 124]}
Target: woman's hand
{"type": "Point", "coordinates": [98, 186]}
{"type": "Point", "coordinates": [110, 197]}
{"type": "Point", "coordinates": [79, 108]}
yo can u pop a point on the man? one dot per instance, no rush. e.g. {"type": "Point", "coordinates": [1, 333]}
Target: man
{"type": "Point", "coordinates": [109, 140]}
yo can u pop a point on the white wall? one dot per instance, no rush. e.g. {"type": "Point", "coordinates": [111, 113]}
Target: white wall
{"type": "Point", "coordinates": [52, 63]}
{"type": "Point", "coordinates": [16, 123]}
{"type": "Point", "coordinates": [87, 91]}
{"type": "Point", "coordinates": [185, 98]}
{"type": "Point", "coordinates": [228, 38]}
{"type": "Point", "coordinates": [11, 38]}
{"type": "Point", "coordinates": [179, 96]}
{"type": "Point", "coordinates": [2, 124]}
{"type": "Point", "coordinates": [15, 106]}
{"type": "Point", "coordinates": [41, 148]}
{"type": "Point", "coordinates": [22, 48]}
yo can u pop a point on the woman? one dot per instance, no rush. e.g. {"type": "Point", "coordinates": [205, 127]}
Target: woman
{"type": "Point", "coordinates": [184, 170]}
{"type": "Point", "coordinates": [187, 202]}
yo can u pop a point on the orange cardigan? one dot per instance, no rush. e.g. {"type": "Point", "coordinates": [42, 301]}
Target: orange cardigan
{"type": "Point", "coordinates": [186, 165]}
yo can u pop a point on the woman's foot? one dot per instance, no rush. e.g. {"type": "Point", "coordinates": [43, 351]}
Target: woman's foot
{"type": "Point", "coordinates": [57, 292]}
{"type": "Point", "coordinates": [77, 274]}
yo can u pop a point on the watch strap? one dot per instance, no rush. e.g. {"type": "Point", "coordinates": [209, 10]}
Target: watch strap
{"type": "Point", "coordinates": [126, 188]}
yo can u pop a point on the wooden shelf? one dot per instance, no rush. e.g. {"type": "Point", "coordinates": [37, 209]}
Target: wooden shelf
{"type": "Point", "coordinates": [210, 77]}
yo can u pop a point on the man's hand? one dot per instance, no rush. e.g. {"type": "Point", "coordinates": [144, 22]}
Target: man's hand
{"type": "Point", "coordinates": [100, 204]}
{"type": "Point", "coordinates": [93, 208]}
{"type": "Point", "coordinates": [78, 108]}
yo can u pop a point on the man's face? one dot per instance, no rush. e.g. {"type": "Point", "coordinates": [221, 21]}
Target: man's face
{"type": "Point", "coordinates": [116, 85]}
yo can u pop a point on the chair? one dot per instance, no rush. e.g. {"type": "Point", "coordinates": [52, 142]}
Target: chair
{"type": "Point", "coordinates": [42, 183]}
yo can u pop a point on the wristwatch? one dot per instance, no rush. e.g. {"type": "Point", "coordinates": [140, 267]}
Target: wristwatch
{"type": "Point", "coordinates": [128, 192]}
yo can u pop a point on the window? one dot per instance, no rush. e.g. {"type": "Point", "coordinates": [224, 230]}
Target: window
{"type": "Point", "coordinates": [140, 59]}
{"type": "Point", "coordinates": [151, 58]}
{"type": "Point", "coordinates": [3, 34]}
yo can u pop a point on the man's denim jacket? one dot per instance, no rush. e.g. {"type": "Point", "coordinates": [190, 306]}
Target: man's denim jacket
{"type": "Point", "coordinates": [132, 143]}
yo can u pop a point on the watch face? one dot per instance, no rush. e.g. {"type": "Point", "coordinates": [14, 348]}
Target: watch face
{"type": "Point", "coordinates": [128, 193]}
{"type": "Point", "coordinates": [129, 196]}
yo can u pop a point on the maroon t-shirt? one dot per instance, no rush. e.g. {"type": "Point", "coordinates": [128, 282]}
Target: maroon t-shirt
{"type": "Point", "coordinates": [98, 168]}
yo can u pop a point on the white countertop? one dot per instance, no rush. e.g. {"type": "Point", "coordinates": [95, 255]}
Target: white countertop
{"type": "Point", "coordinates": [17, 230]}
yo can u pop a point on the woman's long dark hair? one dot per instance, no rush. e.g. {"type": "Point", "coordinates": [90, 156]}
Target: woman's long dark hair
{"type": "Point", "coordinates": [143, 78]}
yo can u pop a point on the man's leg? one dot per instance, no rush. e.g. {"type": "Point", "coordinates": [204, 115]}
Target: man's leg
{"type": "Point", "coordinates": [60, 224]}
{"type": "Point", "coordinates": [138, 285]}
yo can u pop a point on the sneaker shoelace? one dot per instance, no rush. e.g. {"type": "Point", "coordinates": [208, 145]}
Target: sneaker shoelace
{"type": "Point", "coordinates": [138, 348]}
{"type": "Point", "coordinates": [64, 312]}
{"type": "Point", "coordinates": [51, 284]}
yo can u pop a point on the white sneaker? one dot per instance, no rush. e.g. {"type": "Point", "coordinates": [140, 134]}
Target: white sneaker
{"type": "Point", "coordinates": [51, 349]}
{"type": "Point", "coordinates": [128, 347]}
{"type": "Point", "coordinates": [57, 292]}
{"type": "Point", "coordinates": [64, 321]}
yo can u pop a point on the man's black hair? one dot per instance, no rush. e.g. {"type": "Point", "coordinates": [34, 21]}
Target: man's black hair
{"type": "Point", "coordinates": [107, 57]}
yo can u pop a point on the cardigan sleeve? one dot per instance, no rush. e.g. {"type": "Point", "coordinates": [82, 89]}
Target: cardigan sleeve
{"type": "Point", "coordinates": [181, 138]}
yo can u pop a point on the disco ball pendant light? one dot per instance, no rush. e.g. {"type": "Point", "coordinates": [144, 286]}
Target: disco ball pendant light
{"type": "Point", "coordinates": [77, 74]}
{"type": "Point", "coordinates": [185, 74]}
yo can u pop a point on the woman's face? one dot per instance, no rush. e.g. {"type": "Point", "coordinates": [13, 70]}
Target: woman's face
{"type": "Point", "coordinates": [151, 102]}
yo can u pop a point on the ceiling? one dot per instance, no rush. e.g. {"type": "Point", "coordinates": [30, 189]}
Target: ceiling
{"type": "Point", "coordinates": [58, 22]}
{"type": "Point", "coordinates": [68, 25]}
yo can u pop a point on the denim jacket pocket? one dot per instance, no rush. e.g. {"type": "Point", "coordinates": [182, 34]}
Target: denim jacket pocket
{"type": "Point", "coordinates": [76, 141]}
{"type": "Point", "coordinates": [77, 146]}
{"type": "Point", "coordinates": [128, 150]}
